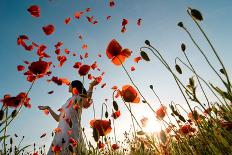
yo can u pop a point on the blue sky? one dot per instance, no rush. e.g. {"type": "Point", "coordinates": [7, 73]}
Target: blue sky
{"type": "Point", "coordinates": [159, 25]}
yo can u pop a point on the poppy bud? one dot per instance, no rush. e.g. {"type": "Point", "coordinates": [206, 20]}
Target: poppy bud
{"type": "Point", "coordinates": [151, 86]}
{"type": "Point", "coordinates": [147, 42]}
{"type": "Point", "coordinates": [178, 69]}
{"type": "Point", "coordinates": [14, 113]}
{"type": "Point", "coordinates": [1, 115]}
{"type": "Point", "coordinates": [183, 47]}
{"type": "Point", "coordinates": [196, 14]}
{"type": "Point", "coordinates": [115, 105]}
{"type": "Point", "coordinates": [11, 141]}
{"type": "Point", "coordinates": [106, 114]}
{"type": "Point", "coordinates": [182, 118]}
{"type": "Point", "coordinates": [222, 71]}
{"type": "Point", "coordinates": [180, 24]}
{"type": "Point", "coordinates": [144, 56]}
{"type": "Point", "coordinates": [191, 82]}
{"type": "Point", "coordinates": [70, 148]}
{"type": "Point", "coordinates": [96, 135]}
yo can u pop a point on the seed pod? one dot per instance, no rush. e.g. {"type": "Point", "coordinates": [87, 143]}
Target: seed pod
{"type": "Point", "coordinates": [178, 69]}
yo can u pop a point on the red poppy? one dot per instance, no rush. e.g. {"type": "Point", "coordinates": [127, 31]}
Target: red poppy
{"type": "Point", "coordinates": [108, 17]}
{"type": "Point", "coordinates": [67, 20]}
{"type": "Point", "coordinates": [86, 55]}
{"type": "Point", "coordinates": [35, 153]}
{"type": "Point", "coordinates": [115, 52]}
{"type": "Point", "coordinates": [111, 4]}
{"type": "Point", "coordinates": [124, 22]}
{"type": "Point", "coordinates": [123, 29]}
{"type": "Point", "coordinates": [78, 14]}
{"type": "Point", "coordinates": [59, 44]}
{"type": "Point", "coordinates": [66, 51]}
{"type": "Point", "coordinates": [102, 126]}
{"type": "Point", "coordinates": [161, 112]}
{"type": "Point", "coordinates": [61, 59]}
{"type": "Point", "coordinates": [84, 46]}
{"type": "Point", "coordinates": [115, 146]}
{"type": "Point", "coordinates": [129, 94]}
{"type": "Point", "coordinates": [139, 22]}
{"type": "Point", "coordinates": [46, 111]}
{"type": "Point", "coordinates": [88, 9]}
{"type": "Point", "coordinates": [83, 70]}
{"type": "Point", "coordinates": [56, 149]}
{"type": "Point", "coordinates": [90, 77]}
{"type": "Point", "coordinates": [94, 65]}
{"type": "Point", "coordinates": [59, 81]}
{"type": "Point", "coordinates": [185, 129]}
{"type": "Point", "coordinates": [73, 142]}
{"type": "Point", "coordinates": [20, 68]}
{"type": "Point", "coordinates": [132, 68]}
{"type": "Point", "coordinates": [41, 53]}
{"type": "Point", "coordinates": [57, 130]}
{"type": "Point", "coordinates": [116, 114]}
{"type": "Point", "coordinates": [34, 10]}
{"type": "Point", "coordinates": [137, 59]}
{"type": "Point", "coordinates": [77, 65]}
{"type": "Point", "coordinates": [16, 101]}
{"type": "Point", "coordinates": [100, 145]}
{"type": "Point", "coordinates": [39, 67]}
{"type": "Point", "coordinates": [48, 29]}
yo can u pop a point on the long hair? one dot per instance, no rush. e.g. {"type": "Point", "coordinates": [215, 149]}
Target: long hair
{"type": "Point", "coordinates": [79, 86]}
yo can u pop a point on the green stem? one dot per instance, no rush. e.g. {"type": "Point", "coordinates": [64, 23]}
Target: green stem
{"type": "Point", "coordinates": [4, 139]}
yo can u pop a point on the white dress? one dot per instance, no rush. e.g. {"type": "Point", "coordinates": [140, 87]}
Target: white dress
{"type": "Point", "coordinates": [65, 131]}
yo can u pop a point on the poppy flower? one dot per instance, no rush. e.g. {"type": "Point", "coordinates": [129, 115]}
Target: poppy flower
{"type": "Point", "coordinates": [84, 46]}
{"type": "Point", "coordinates": [86, 55]}
{"type": "Point", "coordinates": [132, 68]}
{"type": "Point", "coordinates": [73, 142]}
{"type": "Point", "coordinates": [80, 37]}
{"type": "Point", "coordinates": [66, 51]}
{"type": "Point", "coordinates": [137, 59]}
{"type": "Point", "coordinates": [77, 65]}
{"type": "Point", "coordinates": [59, 44]}
{"type": "Point", "coordinates": [48, 29]}
{"type": "Point", "coordinates": [185, 129]}
{"type": "Point", "coordinates": [88, 9]}
{"type": "Point", "coordinates": [161, 112]}
{"type": "Point", "coordinates": [115, 52]}
{"type": "Point", "coordinates": [34, 10]}
{"type": "Point", "coordinates": [102, 126]}
{"type": "Point", "coordinates": [139, 22]}
{"type": "Point", "coordinates": [124, 22]}
{"type": "Point", "coordinates": [78, 14]}
{"type": "Point", "coordinates": [57, 130]}
{"type": "Point", "coordinates": [83, 70]}
{"type": "Point", "coordinates": [115, 147]}
{"type": "Point", "coordinates": [16, 101]}
{"type": "Point", "coordinates": [108, 17]}
{"type": "Point", "coordinates": [67, 20]}
{"type": "Point", "coordinates": [116, 114]}
{"type": "Point", "coordinates": [20, 68]}
{"type": "Point", "coordinates": [56, 149]}
{"type": "Point", "coordinates": [111, 3]}
{"type": "Point", "coordinates": [46, 111]}
{"type": "Point", "coordinates": [39, 67]}
{"type": "Point", "coordinates": [59, 81]}
{"type": "Point", "coordinates": [61, 59]}
{"type": "Point", "coordinates": [129, 94]}
{"type": "Point", "coordinates": [100, 145]}
{"type": "Point", "coordinates": [94, 65]}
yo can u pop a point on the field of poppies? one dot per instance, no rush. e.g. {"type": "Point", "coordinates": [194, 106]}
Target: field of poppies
{"type": "Point", "coordinates": [204, 128]}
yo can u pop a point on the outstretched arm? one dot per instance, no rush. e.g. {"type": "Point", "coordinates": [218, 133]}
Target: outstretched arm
{"type": "Point", "coordinates": [54, 115]}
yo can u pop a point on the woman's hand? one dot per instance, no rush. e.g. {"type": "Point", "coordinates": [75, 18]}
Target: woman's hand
{"type": "Point", "coordinates": [93, 83]}
{"type": "Point", "coordinates": [43, 107]}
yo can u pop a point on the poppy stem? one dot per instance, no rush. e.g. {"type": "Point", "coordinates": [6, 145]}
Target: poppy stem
{"type": "Point", "coordinates": [136, 86]}
{"type": "Point", "coordinates": [215, 52]}
{"type": "Point", "coordinates": [132, 121]}
{"type": "Point", "coordinates": [114, 130]}
{"type": "Point", "coordinates": [4, 135]}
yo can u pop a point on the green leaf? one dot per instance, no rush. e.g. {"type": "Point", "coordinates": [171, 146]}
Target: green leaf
{"type": "Point", "coordinates": [144, 56]}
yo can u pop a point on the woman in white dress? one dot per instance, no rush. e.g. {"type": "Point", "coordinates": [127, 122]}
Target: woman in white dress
{"type": "Point", "coordinates": [68, 134]}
